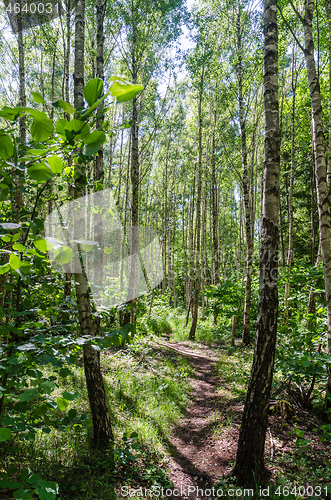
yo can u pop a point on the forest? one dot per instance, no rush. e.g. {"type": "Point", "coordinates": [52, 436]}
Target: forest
{"type": "Point", "coordinates": [165, 249]}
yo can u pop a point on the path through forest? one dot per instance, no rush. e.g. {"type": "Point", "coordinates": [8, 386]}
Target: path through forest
{"type": "Point", "coordinates": [200, 449]}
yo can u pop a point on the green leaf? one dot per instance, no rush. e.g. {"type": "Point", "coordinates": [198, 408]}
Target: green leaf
{"type": "Point", "coordinates": [41, 245]}
{"type": "Point", "coordinates": [28, 395]}
{"type": "Point", "coordinates": [4, 191]}
{"type": "Point", "coordinates": [6, 146]}
{"type": "Point", "coordinates": [25, 474]}
{"type": "Point", "coordinates": [40, 172]}
{"type": "Point", "coordinates": [47, 387]}
{"type": "Point", "coordinates": [70, 396]}
{"type": "Point", "coordinates": [78, 126]}
{"type": "Point", "coordinates": [42, 127]}
{"type": "Point", "coordinates": [22, 494]}
{"type": "Point", "coordinates": [5, 483]}
{"type": "Point", "coordinates": [124, 91]}
{"type": "Point", "coordinates": [72, 413]}
{"type": "Point", "coordinates": [14, 261]}
{"type": "Point", "coordinates": [62, 404]}
{"type": "Point", "coordinates": [56, 164]}
{"type": "Point", "coordinates": [19, 247]}
{"type": "Point", "coordinates": [299, 432]}
{"type": "Point", "coordinates": [94, 141]}
{"type": "Point", "coordinates": [47, 490]}
{"type": "Point", "coordinates": [5, 434]}
{"type": "Point", "coordinates": [63, 255]}
{"type": "Point", "coordinates": [93, 90]}
{"type": "Point", "coordinates": [4, 269]}
{"type": "Point", "coordinates": [60, 127]}
{"type": "Point", "coordinates": [11, 113]}
{"type": "Point", "coordinates": [38, 98]}
{"type": "Point", "coordinates": [41, 410]}
{"type": "Point", "coordinates": [67, 107]}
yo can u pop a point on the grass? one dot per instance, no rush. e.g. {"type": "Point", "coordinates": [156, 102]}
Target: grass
{"type": "Point", "coordinates": [148, 391]}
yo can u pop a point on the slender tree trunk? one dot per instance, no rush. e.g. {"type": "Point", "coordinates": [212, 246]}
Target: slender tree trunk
{"type": "Point", "coordinates": [22, 121]}
{"type": "Point", "coordinates": [320, 170]}
{"type": "Point", "coordinates": [190, 276]}
{"type": "Point", "coordinates": [198, 219]}
{"type": "Point", "coordinates": [102, 431]}
{"type": "Point", "coordinates": [290, 211]}
{"type": "Point", "coordinates": [328, 16]}
{"type": "Point", "coordinates": [245, 185]}
{"type": "Point", "coordinates": [250, 466]}
{"type": "Point", "coordinates": [215, 238]}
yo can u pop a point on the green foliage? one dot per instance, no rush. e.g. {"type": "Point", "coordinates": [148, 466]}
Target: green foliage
{"type": "Point", "coordinates": [28, 393]}
{"type": "Point", "coordinates": [27, 485]}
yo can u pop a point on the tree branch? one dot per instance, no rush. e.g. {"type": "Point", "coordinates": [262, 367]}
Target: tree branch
{"type": "Point", "coordinates": [289, 27]}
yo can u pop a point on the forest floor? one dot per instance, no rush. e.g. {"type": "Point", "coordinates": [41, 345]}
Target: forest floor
{"type": "Point", "coordinates": [197, 458]}
{"type": "Point", "coordinates": [203, 447]}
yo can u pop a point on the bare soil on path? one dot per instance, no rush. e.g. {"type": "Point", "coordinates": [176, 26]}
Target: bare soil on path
{"type": "Point", "coordinates": [199, 455]}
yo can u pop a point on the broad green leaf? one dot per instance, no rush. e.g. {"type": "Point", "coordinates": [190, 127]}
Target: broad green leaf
{"type": "Point", "coordinates": [41, 245]}
{"type": "Point", "coordinates": [63, 128]}
{"type": "Point", "coordinates": [11, 113]}
{"type": "Point", "coordinates": [56, 164]}
{"type": "Point", "coordinates": [93, 90]}
{"type": "Point", "coordinates": [40, 172]}
{"type": "Point", "coordinates": [62, 403]}
{"type": "Point", "coordinates": [4, 269]}
{"type": "Point", "coordinates": [70, 396]}
{"type": "Point", "coordinates": [47, 387]}
{"type": "Point", "coordinates": [78, 126]}
{"type": "Point", "coordinates": [25, 474]}
{"type": "Point", "coordinates": [22, 494]}
{"type": "Point", "coordinates": [5, 434]}
{"type": "Point", "coordinates": [72, 413]}
{"type": "Point", "coordinates": [41, 410]}
{"type": "Point", "coordinates": [47, 490]}
{"type": "Point", "coordinates": [67, 107]}
{"type": "Point", "coordinates": [4, 191]}
{"type": "Point", "coordinates": [60, 127]}
{"type": "Point", "coordinates": [6, 146]}
{"type": "Point", "coordinates": [94, 141]}
{"type": "Point", "coordinates": [19, 247]}
{"type": "Point", "coordinates": [42, 127]}
{"type": "Point", "coordinates": [38, 98]}
{"type": "Point", "coordinates": [124, 91]}
{"type": "Point", "coordinates": [28, 395]}
{"type": "Point", "coordinates": [14, 261]}
{"type": "Point", "coordinates": [63, 255]}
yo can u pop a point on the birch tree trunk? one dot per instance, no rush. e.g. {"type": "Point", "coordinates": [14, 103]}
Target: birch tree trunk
{"type": "Point", "coordinates": [320, 170]}
{"type": "Point", "coordinates": [198, 219]}
{"type": "Point", "coordinates": [290, 211]}
{"type": "Point", "coordinates": [328, 16]}
{"type": "Point", "coordinates": [246, 190]}
{"type": "Point", "coordinates": [250, 466]}
{"type": "Point", "coordinates": [102, 431]}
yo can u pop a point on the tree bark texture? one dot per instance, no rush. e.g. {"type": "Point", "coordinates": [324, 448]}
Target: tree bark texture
{"type": "Point", "coordinates": [290, 198]}
{"type": "Point", "coordinates": [246, 190]}
{"type": "Point", "coordinates": [198, 221]}
{"type": "Point", "coordinates": [102, 431]}
{"type": "Point", "coordinates": [323, 202]}
{"type": "Point", "coordinates": [250, 466]}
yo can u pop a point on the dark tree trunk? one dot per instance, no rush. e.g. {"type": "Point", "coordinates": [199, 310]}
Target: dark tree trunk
{"type": "Point", "coordinates": [245, 184]}
{"type": "Point", "coordinates": [250, 466]}
{"type": "Point", "coordinates": [198, 224]}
